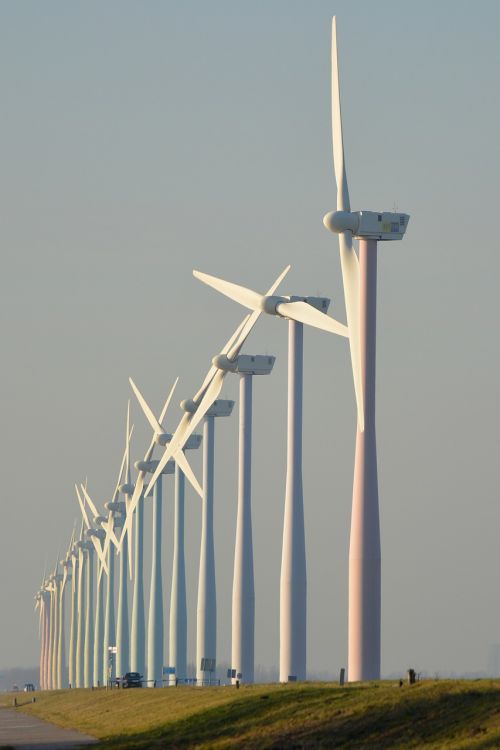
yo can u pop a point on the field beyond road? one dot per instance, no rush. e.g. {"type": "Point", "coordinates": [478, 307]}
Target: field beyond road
{"type": "Point", "coordinates": [430, 714]}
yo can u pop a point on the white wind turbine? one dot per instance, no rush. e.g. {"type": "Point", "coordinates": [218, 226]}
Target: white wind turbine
{"type": "Point", "coordinates": [62, 674]}
{"type": "Point", "coordinates": [115, 518]}
{"type": "Point", "coordinates": [178, 615]}
{"type": "Point", "coordinates": [122, 621]}
{"type": "Point", "coordinates": [293, 580]}
{"type": "Point", "coordinates": [94, 540]}
{"type": "Point", "coordinates": [98, 536]}
{"type": "Point", "coordinates": [360, 285]}
{"type": "Point", "coordinates": [204, 406]}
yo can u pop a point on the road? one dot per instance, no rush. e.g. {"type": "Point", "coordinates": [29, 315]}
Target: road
{"type": "Point", "coordinates": [29, 733]}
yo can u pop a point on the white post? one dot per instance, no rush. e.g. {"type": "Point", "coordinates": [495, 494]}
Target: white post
{"type": "Point", "coordinates": [138, 630]}
{"type": "Point", "coordinates": [206, 613]}
{"type": "Point", "coordinates": [178, 607]}
{"type": "Point", "coordinates": [122, 626]}
{"type": "Point", "coordinates": [364, 548]}
{"type": "Point", "coordinates": [243, 609]}
{"type": "Point", "coordinates": [155, 617]}
{"type": "Point", "coordinates": [88, 676]}
{"type": "Point", "coordinates": [293, 582]}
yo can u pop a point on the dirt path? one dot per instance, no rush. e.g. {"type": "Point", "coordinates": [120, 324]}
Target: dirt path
{"type": "Point", "coordinates": [29, 733]}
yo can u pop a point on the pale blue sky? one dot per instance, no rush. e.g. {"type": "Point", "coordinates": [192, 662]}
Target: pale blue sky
{"type": "Point", "coordinates": [141, 140]}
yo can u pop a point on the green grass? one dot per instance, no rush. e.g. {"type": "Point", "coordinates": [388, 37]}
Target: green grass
{"type": "Point", "coordinates": [455, 715]}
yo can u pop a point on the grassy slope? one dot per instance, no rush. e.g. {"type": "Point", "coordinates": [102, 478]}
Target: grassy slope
{"type": "Point", "coordinates": [444, 714]}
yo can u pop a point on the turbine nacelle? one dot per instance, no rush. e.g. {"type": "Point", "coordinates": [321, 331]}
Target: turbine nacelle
{"type": "Point", "coordinates": [162, 438]}
{"type": "Point", "coordinates": [368, 224]}
{"type": "Point", "coordinates": [118, 507]}
{"type": "Point", "coordinates": [127, 488]}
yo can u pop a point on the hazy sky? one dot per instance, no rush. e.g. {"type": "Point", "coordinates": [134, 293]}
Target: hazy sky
{"type": "Point", "coordinates": [142, 140]}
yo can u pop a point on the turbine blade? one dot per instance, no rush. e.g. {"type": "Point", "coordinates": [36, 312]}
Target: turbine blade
{"type": "Point", "coordinates": [350, 276]}
{"type": "Point", "coordinates": [82, 508]}
{"type": "Point", "coordinates": [343, 203]}
{"type": "Point", "coordinates": [167, 402]}
{"type": "Point", "coordinates": [100, 554]}
{"type": "Point", "coordinates": [132, 505]}
{"type": "Point", "coordinates": [156, 426]}
{"type": "Point", "coordinates": [174, 445]}
{"type": "Point", "coordinates": [302, 312]}
{"type": "Point", "coordinates": [91, 505]}
{"type": "Point", "coordinates": [188, 472]}
{"type": "Point", "coordinates": [127, 443]}
{"type": "Point", "coordinates": [246, 297]}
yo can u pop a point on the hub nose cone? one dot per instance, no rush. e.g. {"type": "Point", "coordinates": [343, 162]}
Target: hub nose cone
{"type": "Point", "coordinates": [341, 221]}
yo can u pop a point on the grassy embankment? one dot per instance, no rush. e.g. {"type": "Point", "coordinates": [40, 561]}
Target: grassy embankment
{"type": "Point", "coordinates": [445, 714]}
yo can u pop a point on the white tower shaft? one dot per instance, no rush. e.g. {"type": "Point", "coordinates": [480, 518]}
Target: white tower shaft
{"type": "Point", "coordinates": [73, 625]}
{"type": "Point", "coordinates": [364, 548]}
{"type": "Point", "coordinates": [61, 643]}
{"type": "Point", "coordinates": [155, 617]}
{"type": "Point", "coordinates": [122, 626]}
{"type": "Point", "coordinates": [80, 622]}
{"type": "Point", "coordinates": [109, 620]}
{"type": "Point", "coordinates": [178, 607]}
{"type": "Point", "coordinates": [98, 633]}
{"type": "Point", "coordinates": [293, 583]}
{"type": "Point", "coordinates": [138, 630]}
{"type": "Point", "coordinates": [243, 610]}
{"type": "Point", "coordinates": [206, 614]}
{"type": "Point", "coordinates": [45, 603]}
{"type": "Point", "coordinates": [88, 657]}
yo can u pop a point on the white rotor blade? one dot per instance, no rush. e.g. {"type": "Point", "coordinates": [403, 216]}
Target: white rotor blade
{"type": "Point", "coordinates": [91, 505]}
{"type": "Point", "coordinates": [132, 505]}
{"type": "Point", "coordinates": [350, 277]}
{"type": "Point", "coordinates": [302, 312]}
{"type": "Point", "coordinates": [343, 203]}
{"type": "Point", "coordinates": [243, 295]}
{"type": "Point", "coordinates": [82, 508]}
{"type": "Point", "coordinates": [155, 425]}
{"type": "Point", "coordinates": [185, 467]}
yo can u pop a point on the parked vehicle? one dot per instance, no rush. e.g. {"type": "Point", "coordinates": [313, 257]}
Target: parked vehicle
{"type": "Point", "coordinates": [132, 680]}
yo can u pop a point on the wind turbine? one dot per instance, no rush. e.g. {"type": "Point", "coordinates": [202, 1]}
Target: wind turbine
{"type": "Point", "coordinates": [94, 541]}
{"type": "Point", "coordinates": [73, 616]}
{"type": "Point", "coordinates": [178, 621]}
{"type": "Point", "coordinates": [122, 622]}
{"type": "Point", "coordinates": [293, 579]}
{"type": "Point", "coordinates": [360, 290]}
{"type": "Point", "coordinates": [62, 680]}
{"type": "Point", "coordinates": [115, 518]}
{"type": "Point", "coordinates": [98, 536]}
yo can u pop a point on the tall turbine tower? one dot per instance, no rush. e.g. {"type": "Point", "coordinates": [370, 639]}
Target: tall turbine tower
{"type": "Point", "coordinates": [73, 617]}
{"type": "Point", "coordinates": [62, 674]}
{"type": "Point", "coordinates": [293, 579]}
{"type": "Point", "coordinates": [243, 599]}
{"type": "Point", "coordinates": [360, 288]}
